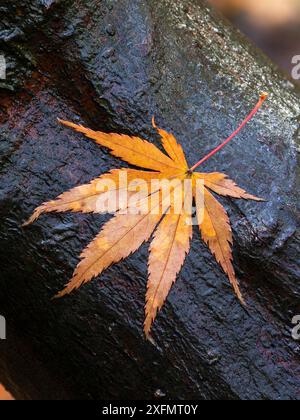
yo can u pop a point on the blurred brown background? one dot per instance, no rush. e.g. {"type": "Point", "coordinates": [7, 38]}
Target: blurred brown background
{"type": "Point", "coordinates": [273, 25]}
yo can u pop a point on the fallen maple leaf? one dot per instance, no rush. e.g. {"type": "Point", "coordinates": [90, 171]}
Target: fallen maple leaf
{"type": "Point", "coordinates": [168, 215]}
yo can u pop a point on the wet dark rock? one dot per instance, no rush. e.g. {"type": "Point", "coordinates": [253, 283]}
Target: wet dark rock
{"type": "Point", "coordinates": [200, 78]}
{"type": "Point", "coordinates": [110, 30]}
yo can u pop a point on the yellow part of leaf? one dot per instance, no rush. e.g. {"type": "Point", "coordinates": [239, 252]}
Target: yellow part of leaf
{"type": "Point", "coordinates": [171, 146]}
{"type": "Point", "coordinates": [105, 194]}
{"type": "Point", "coordinates": [168, 250]}
{"type": "Point", "coordinates": [216, 233]}
{"type": "Point", "coordinates": [120, 237]}
{"type": "Point", "coordinates": [133, 150]}
{"type": "Point", "coordinates": [222, 185]}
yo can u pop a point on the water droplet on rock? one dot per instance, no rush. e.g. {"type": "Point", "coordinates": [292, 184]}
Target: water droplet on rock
{"type": "Point", "coordinates": [213, 357]}
{"type": "Point", "coordinates": [108, 53]}
{"type": "Point", "coordinates": [110, 30]}
{"type": "Point", "coordinates": [159, 394]}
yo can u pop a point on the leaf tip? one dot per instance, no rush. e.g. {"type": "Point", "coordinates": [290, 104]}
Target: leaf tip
{"type": "Point", "coordinates": [63, 122]}
{"type": "Point", "coordinates": [237, 290]}
{"type": "Point", "coordinates": [70, 124]}
{"type": "Point", "coordinates": [59, 295]}
{"type": "Point", "coordinates": [148, 336]}
{"type": "Point", "coordinates": [33, 218]}
{"type": "Point", "coordinates": [150, 339]}
{"type": "Point", "coordinates": [242, 301]}
{"type": "Point", "coordinates": [153, 122]}
{"type": "Point", "coordinates": [25, 224]}
{"type": "Point", "coordinates": [147, 327]}
{"type": "Point", "coordinates": [254, 198]}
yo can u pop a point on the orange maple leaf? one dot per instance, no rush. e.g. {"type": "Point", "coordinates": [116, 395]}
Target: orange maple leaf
{"type": "Point", "coordinates": [166, 209]}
